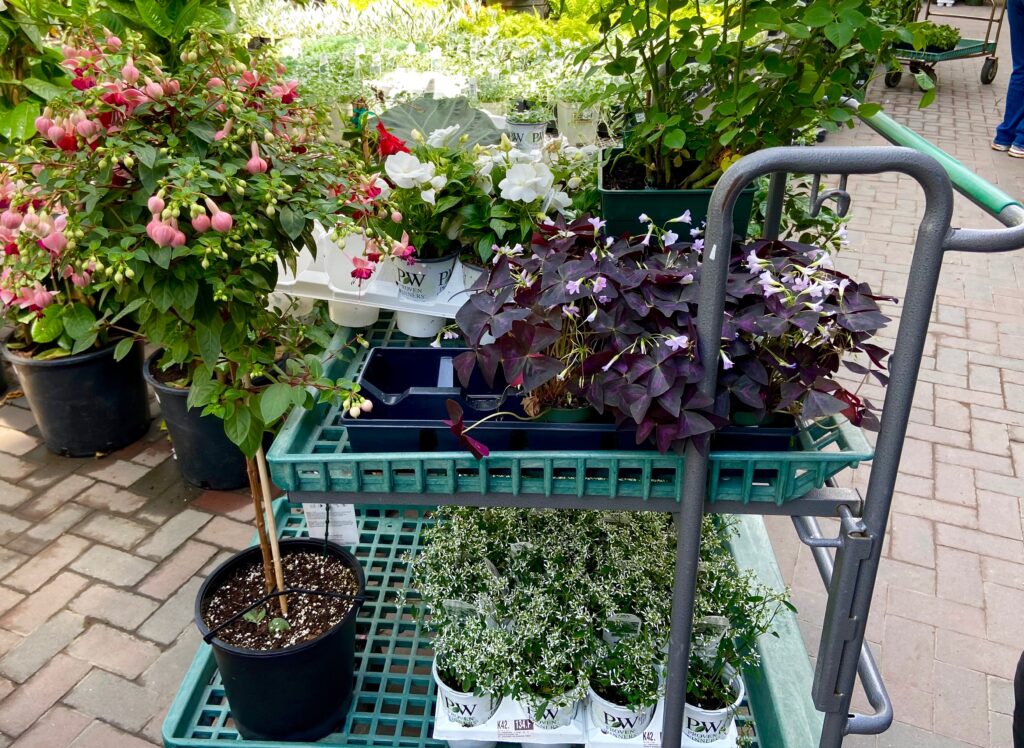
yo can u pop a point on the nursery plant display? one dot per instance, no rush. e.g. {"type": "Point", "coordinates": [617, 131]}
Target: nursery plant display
{"type": "Point", "coordinates": [550, 605]}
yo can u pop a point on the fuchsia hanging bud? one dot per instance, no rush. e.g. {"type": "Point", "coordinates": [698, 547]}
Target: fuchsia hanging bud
{"type": "Point", "coordinates": [224, 131]}
{"type": "Point", "coordinates": [55, 134]}
{"type": "Point", "coordinates": [113, 43]}
{"type": "Point", "coordinates": [201, 223]}
{"type": "Point", "coordinates": [155, 204]}
{"type": "Point", "coordinates": [130, 73]}
{"type": "Point", "coordinates": [86, 128]}
{"type": "Point", "coordinates": [154, 91]}
{"type": "Point", "coordinates": [10, 219]}
{"type": "Point", "coordinates": [178, 239]}
{"type": "Point", "coordinates": [43, 124]}
{"type": "Point", "coordinates": [164, 234]}
{"type": "Point", "coordinates": [256, 165]}
{"type": "Point", "coordinates": [222, 222]}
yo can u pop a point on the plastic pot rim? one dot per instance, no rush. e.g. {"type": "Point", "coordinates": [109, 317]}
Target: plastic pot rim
{"type": "Point", "coordinates": [62, 361]}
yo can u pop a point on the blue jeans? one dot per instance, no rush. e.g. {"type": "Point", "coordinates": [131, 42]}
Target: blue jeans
{"type": "Point", "coordinates": [1011, 131]}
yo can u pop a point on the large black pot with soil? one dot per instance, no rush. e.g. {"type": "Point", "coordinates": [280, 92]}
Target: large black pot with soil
{"type": "Point", "coordinates": [295, 684]}
{"type": "Point", "coordinates": [205, 455]}
{"type": "Point", "coordinates": [87, 403]}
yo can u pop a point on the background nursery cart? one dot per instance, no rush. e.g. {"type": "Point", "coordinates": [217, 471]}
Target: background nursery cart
{"type": "Point", "coordinates": [924, 61]}
{"type": "Point", "coordinates": [394, 698]}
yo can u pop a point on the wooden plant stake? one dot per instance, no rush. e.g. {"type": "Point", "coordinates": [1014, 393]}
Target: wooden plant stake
{"type": "Point", "coordinates": [275, 548]}
{"type": "Point", "coordinates": [261, 529]}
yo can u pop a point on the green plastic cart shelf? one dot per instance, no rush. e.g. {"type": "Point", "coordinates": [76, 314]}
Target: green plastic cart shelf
{"type": "Point", "coordinates": [963, 48]}
{"type": "Point", "coordinates": [312, 454]}
{"type": "Point", "coordinates": [393, 701]}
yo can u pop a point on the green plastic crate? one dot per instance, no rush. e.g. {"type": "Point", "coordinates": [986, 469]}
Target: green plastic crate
{"type": "Point", "coordinates": [312, 454]}
{"type": "Point", "coordinates": [963, 48]}
{"type": "Point", "coordinates": [393, 701]}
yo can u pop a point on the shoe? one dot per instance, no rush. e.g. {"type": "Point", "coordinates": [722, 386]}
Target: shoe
{"type": "Point", "coordinates": [1016, 151]}
{"type": "Point", "coordinates": [999, 146]}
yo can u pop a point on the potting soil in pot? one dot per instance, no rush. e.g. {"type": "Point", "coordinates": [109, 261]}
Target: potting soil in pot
{"type": "Point", "coordinates": [308, 615]}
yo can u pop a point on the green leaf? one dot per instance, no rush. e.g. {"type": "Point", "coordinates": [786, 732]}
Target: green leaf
{"type": "Point", "coordinates": [43, 89]}
{"type": "Point", "coordinates": [147, 154]}
{"type": "Point", "coordinates": [674, 139]}
{"type": "Point", "coordinates": [275, 400]}
{"type": "Point", "coordinates": [840, 34]}
{"type": "Point", "coordinates": [128, 308]}
{"type": "Point", "coordinates": [79, 320]}
{"type": "Point", "coordinates": [291, 221]}
{"type": "Point", "coordinates": [163, 295]}
{"type": "Point", "coordinates": [154, 16]}
{"type": "Point", "coordinates": [256, 615]}
{"type": "Point", "coordinates": [123, 348]}
{"type": "Point", "coordinates": [48, 327]}
{"type": "Point", "coordinates": [85, 343]}
{"type": "Point", "coordinates": [186, 18]}
{"type": "Point", "coordinates": [445, 203]}
{"type": "Point", "coordinates": [818, 15]}
{"type": "Point", "coordinates": [19, 123]}
{"type": "Point", "coordinates": [208, 337]}
{"type": "Point", "coordinates": [203, 391]}
{"type": "Point", "coordinates": [160, 256]}
{"type": "Point", "coordinates": [869, 109]}
{"type": "Point", "coordinates": [244, 430]}
{"type": "Point", "coordinates": [278, 625]}
{"type": "Point", "coordinates": [202, 130]}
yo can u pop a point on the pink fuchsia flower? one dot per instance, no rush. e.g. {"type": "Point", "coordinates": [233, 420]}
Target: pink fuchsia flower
{"type": "Point", "coordinates": [87, 128]}
{"type": "Point", "coordinates": [250, 79]}
{"type": "Point", "coordinates": [573, 287]}
{"type": "Point", "coordinates": [373, 253]}
{"type": "Point", "coordinates": [10, 219]}
{"type": "Point", "coordinates": [153, 90]}
{"type": "Point", "coordinates": [34, 298]}
{"type": "Point", "coordinates": [201, 223]}
{"type": "Point", "coordinates": [113, 43]}
{"type": "Point", "coordinates": [403, 249]}
{"type": "Point", "coordinates": [155, 204]}
{"type": "Point", "coordinates": [171, 87]}
{"type": "Point", "coordinates": [224, 131]}
{"type": "Point", "coordinates": [214, 83]}
{"type": "Point", "coordinates": [678, 342]}
{"type": "Point", "coordinates": [163, 234]}
{"type": "Point", "coordinates": [256, 164]}
{"type": "Point", "coordinates": [43, 124]}
{"type": "Point", "coordinates": [130, 73]}
{"type": "Point", "coordinates": [79, 280]}
{"type": "Point", "coordinates": [55, 242]}
{"type": "Point", "coordinates": [55, 134]}
{"type": "Point", "coordinates": [286, 92]}
{"type": "Point", "coordinates": [363, 269]}
{"type": "Point", "coordinates": [396, 217]}
{"type": "Point", "coordinates": [220, 220]}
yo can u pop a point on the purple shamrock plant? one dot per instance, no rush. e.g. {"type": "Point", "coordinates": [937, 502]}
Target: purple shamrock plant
{"type": "Point", "coordinates": [611, 323]}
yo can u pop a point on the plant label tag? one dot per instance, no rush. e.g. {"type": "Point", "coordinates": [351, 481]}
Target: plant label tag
{"type": "Point", "coordinates": [336, 521]}
{"type": "Point", "coordinates": [652, 738]}
{"type": "Point", "coordinates": [619, 625]}
{"type": "Point", "coordinates": [459, 608]}
{"type": "Point", "coordinates": [514, 729]}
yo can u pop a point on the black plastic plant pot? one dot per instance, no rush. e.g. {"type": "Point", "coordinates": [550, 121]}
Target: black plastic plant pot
{"type": "Point", "coordinates": [298, 693]}
{"type": "Point", "coordinates": [415, 383]}
{"type": "Point", "coordinates": [369, 435]}
{"type": "Point", "coordinates": [621, 209]}
{"type": "Point", "coordinates": [205, 455]}
{"type": "Point", "coordinates": [87, 403]}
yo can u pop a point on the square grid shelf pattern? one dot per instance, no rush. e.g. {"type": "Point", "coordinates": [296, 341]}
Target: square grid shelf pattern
{"type": "Point", "coordinates": [312, 454]}
{"type": "Point", "coordinates": [393, 700]}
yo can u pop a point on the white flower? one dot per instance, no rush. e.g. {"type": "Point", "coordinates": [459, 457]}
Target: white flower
{"type": "Point", "coordinates": [407, 171]}
{"type": "Point", "coordinates": [558, 200]}
{"type": "Point", "coordinates": [573, 183]}
{"type": "Point", "coordinates": [440, 138]}
{"type": "Point", "coordinates": [526, 182]}
{"type": "Point", "coordinates": [428, 196]}
{"type": "Point", "coordinates": [439, 182]}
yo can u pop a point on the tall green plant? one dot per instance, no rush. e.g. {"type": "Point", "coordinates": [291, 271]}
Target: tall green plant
{"type": "Point", "coordinates": [702, 93]}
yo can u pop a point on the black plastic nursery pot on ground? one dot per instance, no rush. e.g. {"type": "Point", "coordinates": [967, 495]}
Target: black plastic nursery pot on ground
{"type": "Point", "coordinates": [88, 403]}
{"type": "Point", "coordinates": [295, 693]}
{"type": "Point", "coordinates": [205, 455]}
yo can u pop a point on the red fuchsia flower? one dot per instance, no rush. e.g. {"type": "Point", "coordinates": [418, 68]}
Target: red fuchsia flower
{"type": "Point", "coordinates": [224, 131]}
{"type": "Point", "coordinates": [373, 253]}
{"type": "Point", "coordinates": [256, 164]}
{"type": "Point", "coordinates": [403, 249]}
{"type": "Point", "coordinates": [286, 92]}
{"type": "Point", "coordinates": [83, 83]}
{"type": "Point", "coordinates": [201, 223]}
{"type": "Point", "coordinates": [388, 144]}
{"type": "Point", "coordinates": [249, 80]}
{"type": "Point", "coordinates": [10, 248]}
{"type": "Point", "coordinates": [363, 269]}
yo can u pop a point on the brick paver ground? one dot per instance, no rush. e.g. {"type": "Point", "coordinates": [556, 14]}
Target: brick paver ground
{"type": "Point", "coordinates": [100, 559]}
{"type": "Point", "coordinates": [947, 624]}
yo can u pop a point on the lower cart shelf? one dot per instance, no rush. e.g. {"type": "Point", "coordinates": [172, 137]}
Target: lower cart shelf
{"type": "Point", "coordinates": [393, 702]}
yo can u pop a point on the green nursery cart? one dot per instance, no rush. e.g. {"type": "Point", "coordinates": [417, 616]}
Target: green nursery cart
{"type": "Point", "coordinates": [788, 706]}
{"type": "Point", "coordinates": [918, 61]}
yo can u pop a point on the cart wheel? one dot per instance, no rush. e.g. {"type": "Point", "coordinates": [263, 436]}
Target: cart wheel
{"type": "Point", "coordinates": [989, 70]}
{"type": "Point", "coordinates": [893, 79]}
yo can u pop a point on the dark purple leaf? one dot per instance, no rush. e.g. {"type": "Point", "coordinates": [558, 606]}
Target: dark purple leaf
{"type": "Point", "coordinates": [820, 404]}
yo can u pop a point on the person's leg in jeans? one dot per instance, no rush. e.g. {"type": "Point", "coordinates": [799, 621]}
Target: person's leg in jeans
{"type": "Point", "coordinates": [1011, 131]}
{"type": "Point", "coordinates": [1018, 705]}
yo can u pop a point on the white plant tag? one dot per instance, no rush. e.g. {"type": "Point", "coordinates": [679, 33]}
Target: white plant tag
{"type": "Point", "coordinates": [619, 625]}
{"type": "Point", "coordinates": [709, 632]}
{"type": "Point", "coordinates": [459, 607]}
{"type": "Point", "coordinates": [341, 529]}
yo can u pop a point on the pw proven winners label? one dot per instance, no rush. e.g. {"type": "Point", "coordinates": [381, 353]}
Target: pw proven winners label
{"type": "Point", "coordinates": [514, 729]}
{"type": "Point", "coordinates": [336, 521]}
